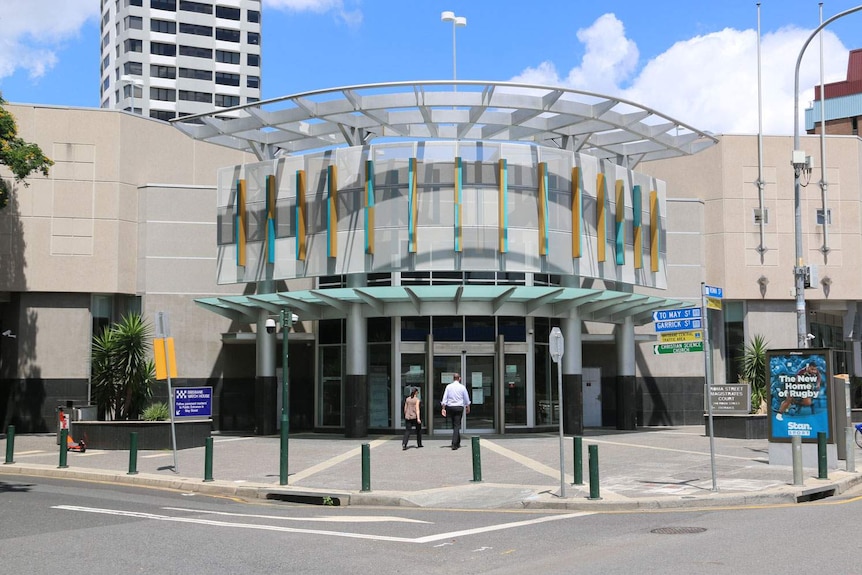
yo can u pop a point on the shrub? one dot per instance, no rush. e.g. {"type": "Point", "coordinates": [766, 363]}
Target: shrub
{"type": "Point", "coordinates": [156, 412]}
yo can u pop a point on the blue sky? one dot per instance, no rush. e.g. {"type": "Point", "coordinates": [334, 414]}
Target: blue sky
{"type": "Point", "coordinates": [695, 61]}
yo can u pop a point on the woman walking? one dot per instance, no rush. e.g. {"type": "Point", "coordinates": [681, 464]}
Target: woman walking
{"type": "Point", "coordinates": [412, 418]}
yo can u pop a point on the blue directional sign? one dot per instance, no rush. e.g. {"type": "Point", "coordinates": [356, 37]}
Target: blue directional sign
{"type": "Point", "coordinates": [670, 314]}
{"type": "Point", "coordinates": [193, 401]}
{"type": "Point", "coordinates": [679, 325]}
{"type": "Point", "coordinates": [711, 291]}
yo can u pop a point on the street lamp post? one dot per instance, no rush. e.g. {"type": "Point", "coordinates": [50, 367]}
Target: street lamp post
{"type": "Point", "coordinates": [800, 165]}
{"type": "Point", "coordinates": [449, 16]}
{"type": "Point", "coordinates": [287, 319]}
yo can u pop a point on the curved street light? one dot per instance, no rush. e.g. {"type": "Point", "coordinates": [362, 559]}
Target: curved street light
{"type": "Point", "coordinates": [800, 164]}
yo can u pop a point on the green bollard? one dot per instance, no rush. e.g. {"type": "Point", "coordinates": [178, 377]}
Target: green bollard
{"type": "Point", "coordinates": [594, 472]}
{"type": "Point", "coordinates": [579, 460]}
{"type": "Point", "coordinates": [284, 437]}
{"type": "Point", "coordinates": [477, 459]}
{"type": "Point", "coordinates": [821, 456]}
{"type": "Point", "coordinates": [10, 444]}
{"type": "Point", "coordinates": [133, 453]}
{"type": "Point", "coordinates": [64, 449]}
{"type": "Point", "coordinates": [366, 467]}
{"type": "Point", "coordinates": [208, 460]}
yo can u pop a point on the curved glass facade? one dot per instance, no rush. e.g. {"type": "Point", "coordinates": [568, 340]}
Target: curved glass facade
{"type": "Point", "coordinates": [440, 206]}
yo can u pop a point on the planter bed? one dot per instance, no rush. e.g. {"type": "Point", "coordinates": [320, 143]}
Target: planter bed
{"type": "Point", "coordinates": [739, 426]}
{"type": "Point", "coordinates": [151, 434]}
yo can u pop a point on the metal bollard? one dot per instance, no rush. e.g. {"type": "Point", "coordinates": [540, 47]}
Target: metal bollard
{"type": "Point", "coordinates": [366, 467]}
{"type": "Point", "coordinates": [796, 452]}
{"type": "Point", "coordinates": [579, 460]}
{"type": "Point", "coordinates": [821, 456]}
{"type": "Point", "coordinates": [594, 471]}
{"type": "Point", "coordinates": [850, 448]}
{"type": "Point", "coordinates": [208, 460]}
{"type": "Point", "coordinates": [10, 443]}
{"type": "Point", "coordinates": [133, 453]}
{"type": "Point", "coordinates": [477, 459]}
{"type": "Point", "coordinates": [64, 449]}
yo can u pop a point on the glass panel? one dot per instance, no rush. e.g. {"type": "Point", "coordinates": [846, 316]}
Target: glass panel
{"type": "Point", "coordinates": [448, 328]}
{"type": "Point", "coordinates": [445, 366]}
{"type": "Point", "coordinates": [512, 328]}
{"type": "Point", "coordinates": [415, 328]}
{"type": "Point", "coordinates": [480, 328]}
{"type": "Point", "coordinates": [478, 376]}
{"type": "Point", "coordinates": [379, 388]}
{"type": "Point", "coordinates": [379, 329]}
{"type": "Point", "coordinates": [330, 386]}
{"type": "Point", "coordinates": [515, 389]}
{"type": "Point", "coordinates": [413, 375]}
{"type": "Point", "coordinates": [734, 340]}
{"type": "Point", "coordinates": [546, 402]}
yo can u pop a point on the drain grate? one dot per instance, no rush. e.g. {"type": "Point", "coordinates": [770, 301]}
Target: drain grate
{"type": "Point", "coordinates": [677, 530]}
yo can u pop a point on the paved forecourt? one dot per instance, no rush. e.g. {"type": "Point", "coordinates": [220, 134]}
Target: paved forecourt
{"type": "Point", "coordinates": [647, 468]}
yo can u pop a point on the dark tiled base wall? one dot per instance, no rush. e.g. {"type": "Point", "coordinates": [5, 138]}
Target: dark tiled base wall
{"type": "Point", "coordinates": [670, 401]}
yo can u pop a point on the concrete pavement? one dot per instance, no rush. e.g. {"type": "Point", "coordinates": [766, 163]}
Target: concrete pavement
{"type": "Point", "coordinates": [649, 468]}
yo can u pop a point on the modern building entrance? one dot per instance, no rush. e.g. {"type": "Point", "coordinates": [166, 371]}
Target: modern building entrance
{"type": "Point", "coordinates": [478, 375]}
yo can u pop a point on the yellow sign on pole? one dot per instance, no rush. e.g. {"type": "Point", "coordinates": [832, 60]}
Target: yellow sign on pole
{"type": "Point", "coordinates": [681, 336]}
{"type": "Point", "coordinates": [713, 303]}
{"type": "Point", "coordinates": [163, 359]}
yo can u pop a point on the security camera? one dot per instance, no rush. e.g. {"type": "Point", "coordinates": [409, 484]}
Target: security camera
{"type": "Point", "coordinates": [270, 325]}
{"type": "Point", "coordinates": [810, 336]}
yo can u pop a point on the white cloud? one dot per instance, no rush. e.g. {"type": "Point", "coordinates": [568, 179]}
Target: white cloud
{"type": "Point", "coordinates": [709, 81]}
{"type": "Point", "coordinates": [351, 17]}
{"type": "Point", "coordinates": [34, 30]}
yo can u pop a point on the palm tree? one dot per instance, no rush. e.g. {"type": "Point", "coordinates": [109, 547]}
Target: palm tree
{"type": "Point", "coordinates": [753, 366]}
{"type": "Point", "coordinates": [121, 370]}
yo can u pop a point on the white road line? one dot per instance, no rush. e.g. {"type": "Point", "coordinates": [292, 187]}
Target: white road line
{"type": "Point", "coordinates": [155, 455]}
{"type": "Point", "coordinates": [500, 527]}
{"type": "Point", "coordinates": [330, 519]}
{"type": "Point", "coordinates": [281, 529]}
{"type": "Point", "coordinates": [305, 473]}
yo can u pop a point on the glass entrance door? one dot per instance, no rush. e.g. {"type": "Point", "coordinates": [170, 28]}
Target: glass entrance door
{"type": "Point", "coordinates": [477, 374]}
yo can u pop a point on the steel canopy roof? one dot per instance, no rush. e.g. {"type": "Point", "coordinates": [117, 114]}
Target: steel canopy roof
{"type": "Point", "coordinates": [585, 122]}
{"type": "Point", "coordinates": [593, 304]}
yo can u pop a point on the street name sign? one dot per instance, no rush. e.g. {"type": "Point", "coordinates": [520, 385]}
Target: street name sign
{"type": "Point", "coordinates": [684, 347]}
{"type": "Point", "coordinates": [672, 314]}
{"type": "Point", "coordinates": [712, 291]}
{"type": "Point", "coordinates": [679, 325]}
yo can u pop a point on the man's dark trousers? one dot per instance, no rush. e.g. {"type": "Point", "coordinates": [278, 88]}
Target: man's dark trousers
{"type": "Point", "coordinates": [455, 413]}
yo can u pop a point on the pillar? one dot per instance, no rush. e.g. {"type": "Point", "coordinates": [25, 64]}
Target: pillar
{"type": "Point", "coordinates": [572, 364]}
{"type": "Point", "coordinates": [265, 381]}
{"type": "Point", "coordinates": [356, 380]}
{"type": "Point", "coordinates": [626, 384]}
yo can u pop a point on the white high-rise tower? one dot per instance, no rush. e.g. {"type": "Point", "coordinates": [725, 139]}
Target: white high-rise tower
{"type": "Point", "coordinates": [170, 58]}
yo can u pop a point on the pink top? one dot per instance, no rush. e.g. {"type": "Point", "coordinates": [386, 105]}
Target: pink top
{"type": "Point", "coordinates": [411, 408]}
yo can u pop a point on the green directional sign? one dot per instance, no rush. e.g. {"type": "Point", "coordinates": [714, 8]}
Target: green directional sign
{"type": "Point", "coordinates": [684, 347]}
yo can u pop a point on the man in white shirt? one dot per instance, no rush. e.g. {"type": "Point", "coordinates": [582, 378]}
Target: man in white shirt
{"type": "Point", "coordinates": [456, 402]}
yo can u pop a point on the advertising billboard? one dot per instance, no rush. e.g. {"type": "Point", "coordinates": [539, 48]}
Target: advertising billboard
{"type": "Point", "coordinates": [798, 393]}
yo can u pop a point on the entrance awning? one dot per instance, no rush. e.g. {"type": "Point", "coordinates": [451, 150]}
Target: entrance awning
{"type": "Point", "coordinates": [599, 305]}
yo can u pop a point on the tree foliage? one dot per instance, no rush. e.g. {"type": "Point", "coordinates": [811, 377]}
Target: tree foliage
{"type": "Point", "coordinates": [21, 157]}
{"type": "Point", "coordinates": [121, 371]}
